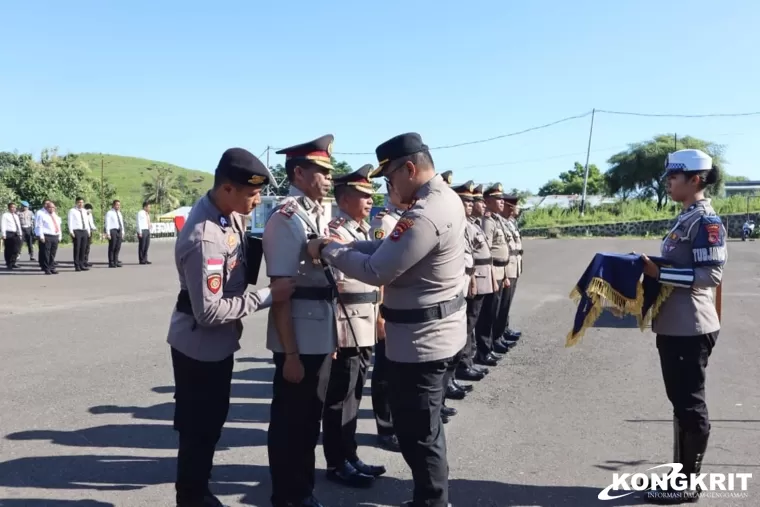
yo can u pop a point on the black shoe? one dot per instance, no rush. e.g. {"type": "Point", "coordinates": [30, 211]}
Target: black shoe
{"type": "Point", "coordinates": [54, 271]}
{"type": "Point", "coordinates": [31, 258]}
{"type": "Point", "coordinates": [445, 419]}
{"type": "Point", "coordinates": [496, 357]}
{"type": "Point", "coordinates": [347, 475]}
{"type": "Point", "coordinates": [453, 393]}
{"type": "Point", "coordinates": [208, 501]}
{"type": "Point", "coordinates": [148, 262]}
{"type": "Point", "coordinates": [88, 264]}
{"type": "Point", "coordinates": [112, 265]}
{"type": "Point", "coordinates": [469, 374]}
{"type": "Point", "coordinates": [311, 502]}
{"type": "Point", "coordinates": [481, 369]}
{"type": "Point", "coordinates": [48, 272]}
{"type": "Point", "coordinates": [448, 411]}
{"type": "Point", "coordinates": [500, 348]}
{"type": "Point", "coordinates": [389, 443]}
{"type": "Point", "coordinates": [486, 360]}
{"type": "Point", "coordinates": [464, 387]}
{"type": "Point", "coordinates": [512, 335]}
{"type": "Point", "coordinates": [371, 470]}
{"type": "Point", "coordinates": [85, 268]}
{"type": "Point", "coordinates": [77, 268]}
{"type": "Point", "coordinates": [119, 264]}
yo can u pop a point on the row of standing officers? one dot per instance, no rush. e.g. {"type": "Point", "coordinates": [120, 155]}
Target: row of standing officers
{"type": "Point", "coordinates": [441, 266]}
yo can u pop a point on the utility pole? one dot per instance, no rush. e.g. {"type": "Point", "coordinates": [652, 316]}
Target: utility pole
{"type": "Point", "coordinates": [588, 154]}
{"type": "Point", "coordinates": [675, 142]}
{"type": "Point", "coordinates": [102, 190]}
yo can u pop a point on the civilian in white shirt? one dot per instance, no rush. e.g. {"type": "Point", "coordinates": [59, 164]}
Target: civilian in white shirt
{"type": "Point", "coordinates": [47, 228]}
{"type": "Point", "coordinates": [91, 221]}
{"type": "Point", "coordinates": [143, 233]}
{"type": "Point", "coordinates": [79, 229]}
{"type": "Point", "coordinates": [114, 228]}
{"type": "Point", "coordinates": [43, 209]}
{"type": "Point", "coordinates": [10, 226]}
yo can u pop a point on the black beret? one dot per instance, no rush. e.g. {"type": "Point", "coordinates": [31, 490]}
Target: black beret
{"type": "Point", "coordinates": [477, 193]}
{"type": "Point", "coordinates": [465, 191]}
{"type": "Point", "coordinates": [316, 152]}
{"type": "Point", "coordinates": [241, 166]}
{"type": "Point", "coordinates": [495, 190]}
{"type": "Point", "coordinates": [447, 176]}
{"type": "Point", "coordinates": [397, 147]}
{"type": "Point", "coordinates": [358, 179]}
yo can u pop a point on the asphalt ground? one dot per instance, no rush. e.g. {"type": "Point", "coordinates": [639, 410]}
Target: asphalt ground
{"type": "Point", "coordinates": [86, 394]}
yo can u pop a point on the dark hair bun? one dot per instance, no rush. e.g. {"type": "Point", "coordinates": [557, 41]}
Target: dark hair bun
{"type": "Point", "coordinates": [712, 176]}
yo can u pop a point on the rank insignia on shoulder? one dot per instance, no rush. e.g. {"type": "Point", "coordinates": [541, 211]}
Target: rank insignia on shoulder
{"type": "Point", "coordinates": [336, 222]}
{"type": "Point", "coordinates": [288, 209]}
{"type": "Point", "coordinates": [403, 225]}
{"type": "Point", "coordinates": [381, 214]}
{"type": "Point", "coordinates": [379, 233]}
{"type": "Point", "coordinates": [214, 283]}
{"type": "Point", "coordinates": [223, 221]}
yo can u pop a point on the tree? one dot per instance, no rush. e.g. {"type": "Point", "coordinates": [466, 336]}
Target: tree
{"type": "Point", "coordinates": [571, 182]}
{"type": "Point", "coordinates": [639, 170]}
{"type": "Point", "coordinates": [162, 190]}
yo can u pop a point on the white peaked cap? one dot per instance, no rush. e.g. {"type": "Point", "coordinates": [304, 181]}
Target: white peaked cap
{"type": "Point", "coordinates": [688, 160]}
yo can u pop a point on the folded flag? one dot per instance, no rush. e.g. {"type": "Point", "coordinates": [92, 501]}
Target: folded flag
{"type": "Point", "coordinates": [613, 281]}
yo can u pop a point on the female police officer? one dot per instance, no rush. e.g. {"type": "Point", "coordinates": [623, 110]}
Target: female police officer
{"type": "Point", "coordinates": [687, 325]}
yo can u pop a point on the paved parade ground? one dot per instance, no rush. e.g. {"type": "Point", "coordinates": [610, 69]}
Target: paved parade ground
{"type": "Point", "coordinates": [86, 394]}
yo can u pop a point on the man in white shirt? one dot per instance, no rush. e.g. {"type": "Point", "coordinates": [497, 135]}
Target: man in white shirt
{"type": "Point", "coordinates": [143, 233]}
{"type": "Point", "coordinates": [91, 221]}
{"type": "Point", "coordinates": [79, 229]}
{"type": "Point", "coordinates": [43, 209]}
{"type": "Point", "coordinates": [114, 227]}
{"type": "Point", "coordinates": [47, 228]}
{"type": "Point", "coordinates": [10, 226]}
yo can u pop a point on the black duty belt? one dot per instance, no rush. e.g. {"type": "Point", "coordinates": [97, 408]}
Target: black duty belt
{"type": "Point", "coordinates": [314, 293]}
{"type": "Point", "coordinates": [355, 298]}
{"type": "Point", "coordinates": [419, 315]}
{"type": "Point", "coordinates": [469, 271]}
{"type": "Point", "coordinates": [482, 262]}
{"type": "Point", "coordinates": [184, 305]}
{"type": "Point", "coordinates": [500, 264]}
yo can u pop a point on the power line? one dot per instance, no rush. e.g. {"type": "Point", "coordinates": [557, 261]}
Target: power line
{"type": "Point", "coordinates": [669, 115]}
{"type": "Point", "coordinates": [551, 157]}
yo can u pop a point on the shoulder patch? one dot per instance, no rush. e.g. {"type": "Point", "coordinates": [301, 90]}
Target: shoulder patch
{"type": "Point", "coordinates": [214, 283]}
{"type": "Point", "coordinates": [709, 245]}
{"type": "Point", "coordinates": [288, 209]}
{"type": "Point", "coordinates": [403, 225]}
{"type": "Point", "coordinates": [336, 222]}
{"type": "Point", "coordinates": [379, 233]}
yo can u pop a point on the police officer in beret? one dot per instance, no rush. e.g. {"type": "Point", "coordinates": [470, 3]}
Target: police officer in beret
{"type": "Point", "coordinates": [421, 266]}
{"type": "Point", "coordinates": [206, 325]}
{"type": "Point", "coordinates": [301, 332]}
{"type": "Point", "coordinates": [356, 319]}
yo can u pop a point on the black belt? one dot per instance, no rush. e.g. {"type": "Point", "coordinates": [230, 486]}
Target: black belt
{"type": "Point", "coordinates": [520, 251]}
{"type": "Point", "coordinates": [469, 271]}
{"type": "Point", "coordinates": [184, 305]}
{"type": "Point", "coordinates": [482, 262]}
{"type": "Point", "coordinates": [314, 293]}
{"type": "Point", "coordinates": [419, 315]}
{"type": "Point", "coordinates": [355, 298]}
{"type": "Point", "coordinates": [500, 264]}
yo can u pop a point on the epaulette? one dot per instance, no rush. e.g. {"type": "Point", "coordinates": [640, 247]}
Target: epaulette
{"type": "Point", "coordinates": [336, 223]}
{"type": "Point", "coordinates": [382, 213]}
{"type": "Point", "coordinates": [288, 209]}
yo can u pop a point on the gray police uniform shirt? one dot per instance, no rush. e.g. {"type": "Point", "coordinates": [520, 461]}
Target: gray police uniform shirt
{"type": "Point", "coordinates": [285, 238]}
{"type": "Point", "coordinates": [512, 269]}
{"type": "Point", "coordinates": [420, 264]}
{"type": "Point", "coordinates": [512, 223]}
{"type": "Point", "coordinates": [362, 315]}
{"type": "Point", "coordinates": [211, 263]}
{"type": "Point", "coordinates": [497, 240]}
{"type": "Point", "coordinates": [696, 246]}
{"type": "Point", "coordinates": [480, 254]}
{"type": "Point", "coordinates": [383, 223]}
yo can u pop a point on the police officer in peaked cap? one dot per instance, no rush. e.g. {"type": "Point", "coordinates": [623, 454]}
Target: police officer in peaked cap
{"type": "Point", "coordinates": [301, 332]}
{"type": "Point", "coordinates": [206, 325]}
{"type": "Point", "coordinates": [687, 324]}
{"type": "Point", "coordinates": [421, 267]}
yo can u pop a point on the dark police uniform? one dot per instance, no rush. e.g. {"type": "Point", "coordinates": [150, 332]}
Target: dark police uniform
{"type": "Point", "coordinates": [380, 227]}
{"type": "Point", "coordinates": [296, 410]}
{"type": "Point", "coordinates": [421, 267]}
{"type": "Point", "coordinates": [687, 324]}
{"type": "Point", "coordinates": [206, 326]}
{"type": "Point", "coordinates": [357, 327]}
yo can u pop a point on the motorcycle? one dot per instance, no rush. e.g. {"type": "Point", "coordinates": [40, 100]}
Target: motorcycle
{"type": "Point", "coordinates": [747, 229]}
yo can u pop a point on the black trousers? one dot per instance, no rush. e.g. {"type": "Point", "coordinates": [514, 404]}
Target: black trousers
{"type": "Point", "coordinates": [416, 396]}
{"type": "Point", "coordinates": [348, 373]}
{"type": "Point", "coordinates": [501, 322]}
{"type": "Point", "coordinates": [683, 360]}
{"type": "Point", "coordinates": [379, 384]}
{"type": "Point", "coordinates": [474, 305]}
{"type": "Point", "coordinates": [48, 251]}
{"type": "Point", "coordinates": [12, 248]}
{"type": "Point", "coordinates": [114, 246]}
{"type": "Point", "coordinates": [87, 249]}
{"type": "Point", "coordinates": [80, 248]}
{"type": "Point", "coordinates": [485, 323]}
{"type": "Point", "coordinates": [202, 401]}
{"type": "Point", "coordinates": [143, 242]}
{"type": "Point", "coordinates": [294, 425]}
{"type": "Point", "coordinates": [28, 234]}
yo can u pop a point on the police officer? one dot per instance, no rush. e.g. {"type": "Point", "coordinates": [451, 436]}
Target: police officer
{"type": "Point", "coordinates": [206, 326]}
{"type": "Point", "coordinates": [479, 278]}
{"type": "Point", "coordinates": [356, 337]}
{"type": "Point", "coordinates": [301, 333]}
{"type": "Point", "coordinates": [421, 266]}
{"type": "Point", "coordinates": [688, 324]}
{"type": "Point", "coordinates": [484, 322]}
{"type": "Point", "coordinates": [488, 344]}
{"type": "Point", "coordinates": [381, 226]}
{"type": "Point", "coordinates": [503, 335]}
{"type": "Point", "coordinates": [511, 213]}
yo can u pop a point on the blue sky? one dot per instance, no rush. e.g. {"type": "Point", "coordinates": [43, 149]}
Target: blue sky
{"type": "Point", "coordinates": [181, 81]}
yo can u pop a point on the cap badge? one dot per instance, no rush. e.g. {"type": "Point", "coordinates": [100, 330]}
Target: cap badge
{"type": "Point", "coordinates": [256, 179]}
{"type": "Point", "coordinates": [499, 187]}
{"type": "Point", "coordinates": [330, 148]}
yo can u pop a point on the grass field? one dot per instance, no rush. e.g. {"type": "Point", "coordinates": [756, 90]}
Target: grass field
{"type": "Point", "coordinates": [127, 174]}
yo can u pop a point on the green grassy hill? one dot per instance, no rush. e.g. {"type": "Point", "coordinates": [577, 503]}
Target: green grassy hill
{"type": "Point", "coordinates": [127, 174]}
